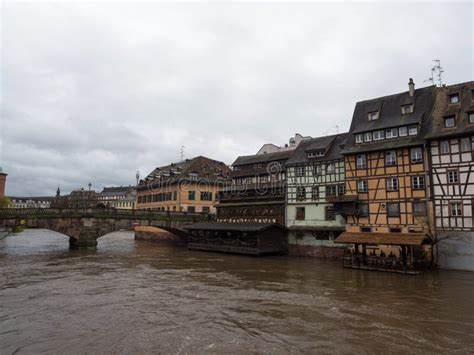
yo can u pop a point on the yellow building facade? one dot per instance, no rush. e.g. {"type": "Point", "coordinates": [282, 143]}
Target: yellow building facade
{"type": "Point", "coordinates": [188, 186]}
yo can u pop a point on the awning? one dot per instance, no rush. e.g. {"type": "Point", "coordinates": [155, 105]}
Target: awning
{"type": "Point", "coordinates": [242, 227]}
{"type": "Point", "coordinates": [382, 238]}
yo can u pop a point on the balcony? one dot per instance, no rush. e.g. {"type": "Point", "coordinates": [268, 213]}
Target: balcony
{"type": "Point", "coordinates": [345, 204]}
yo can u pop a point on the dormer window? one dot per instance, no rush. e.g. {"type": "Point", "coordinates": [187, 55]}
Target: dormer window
{"type": "Point", "coordinates": [454, 98]}
{"type": "Point", "coordinates": [378, 135]}
{"type": "Point", "coordinates": [391, 133]}
{"type": "Point", "coordinates": [359, 138]}
{"type": "Point", "coordinates": [412, 130]}
{"type": "Point", "coordinates": [318, 153]}
{"type": "Point", "coordinates": [368, 137]}
{"type": "Point", "coordinates": [257, 166]}
{"type": "Point", "coordinates": [470, 116]}
{"type": "Point", "coordinates": [373, 115]}
{"type": "Point", "coordinates": [406, 109]}
{"type": "Point", "coordinates": [193, 176]}
{"type": "Point", "coordinates": [449, 122]}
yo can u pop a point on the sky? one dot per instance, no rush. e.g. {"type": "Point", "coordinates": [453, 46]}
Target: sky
{"type": "Point", "coordinates": [93, 92]}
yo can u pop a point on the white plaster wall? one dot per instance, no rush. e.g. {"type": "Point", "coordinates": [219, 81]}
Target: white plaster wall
{"type": "Point", "coordinates": [457, 251]}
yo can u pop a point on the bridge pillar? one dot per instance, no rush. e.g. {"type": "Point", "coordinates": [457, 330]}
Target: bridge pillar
{"type": "Point", "coordinates": [86, 240]}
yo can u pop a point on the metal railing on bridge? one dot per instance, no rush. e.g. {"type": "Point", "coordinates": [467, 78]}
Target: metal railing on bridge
{"type": "Point", "coordinates": [7, 213]}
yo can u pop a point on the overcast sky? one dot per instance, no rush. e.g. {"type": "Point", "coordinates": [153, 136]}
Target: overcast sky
{"type": "Point", "coordinates": [96, 91]}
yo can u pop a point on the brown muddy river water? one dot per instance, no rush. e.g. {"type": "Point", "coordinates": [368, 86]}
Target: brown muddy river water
{"type": "Point", "coordinates": [139, 297]}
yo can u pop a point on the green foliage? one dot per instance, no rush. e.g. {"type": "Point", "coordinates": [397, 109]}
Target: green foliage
{"type": "Point", "coordinates": [5, 202]}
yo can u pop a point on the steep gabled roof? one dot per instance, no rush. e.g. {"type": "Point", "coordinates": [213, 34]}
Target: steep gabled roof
{"type": "Point", "coordinates": [332, 145]}
{"type": "Point", "coordinates": [206, 169]}
{"type": "Point", "coordinates": [263, 158]}
{"type": "Point", "coordinates": [390, 116]}
{"type": "Point", "coordinates": [444, 108]}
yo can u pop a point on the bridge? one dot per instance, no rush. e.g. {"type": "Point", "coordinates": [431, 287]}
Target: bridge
{"type": "Point", "coordinates": [85, 226]}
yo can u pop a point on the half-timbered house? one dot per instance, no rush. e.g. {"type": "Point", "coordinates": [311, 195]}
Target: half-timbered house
{"type": "Point", "coordinates": [387, 183]}
{"type": "Point", "coordinates": [315, 175]}
{"type": "Point", "coordinates": [452, 168]}
{"type": "Point", "coordinates": [251, 205]}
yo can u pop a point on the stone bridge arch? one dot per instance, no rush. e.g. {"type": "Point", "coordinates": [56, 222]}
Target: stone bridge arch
{"type": "Point", "coordinates": [84, 227]}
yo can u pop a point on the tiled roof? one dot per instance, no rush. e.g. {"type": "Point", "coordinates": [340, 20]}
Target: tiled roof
{"type": "Point", "coordinates": [332, 145]}
{"type": "Point", "coordinates": [206, 169]}
{"type": "Point", "coordinates": [390, 116]}
{"type": "Point", "coordinates": [460, 110]}
{"type": "Point", "coordinates": [244, 227]}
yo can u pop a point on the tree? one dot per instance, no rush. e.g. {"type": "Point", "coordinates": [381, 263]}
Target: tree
{"type": "Point", "coordinates": [5, 202]}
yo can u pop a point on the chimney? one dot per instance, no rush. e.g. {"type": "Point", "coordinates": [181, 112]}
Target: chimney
{"type": "Point", "coordinates": [411, 87]}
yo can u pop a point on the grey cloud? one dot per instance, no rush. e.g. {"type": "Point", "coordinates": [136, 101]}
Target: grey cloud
{"type": "Point", "coordinates": [94, 91]}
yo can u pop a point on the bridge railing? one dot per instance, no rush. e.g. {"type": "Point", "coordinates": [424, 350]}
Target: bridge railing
{"type": "Point", "coordinates": [98, 212]}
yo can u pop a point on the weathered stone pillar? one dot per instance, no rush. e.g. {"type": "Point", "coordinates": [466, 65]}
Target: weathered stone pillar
{"type": "Point", "coordinates": [86, 240]}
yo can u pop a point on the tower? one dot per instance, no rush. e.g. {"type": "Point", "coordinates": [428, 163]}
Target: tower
{"type": "Point", "coordinates": [3, 181]}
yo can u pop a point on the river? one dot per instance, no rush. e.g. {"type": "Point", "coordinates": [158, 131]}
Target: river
{"type": "Point", "coordinates": [139, 297]}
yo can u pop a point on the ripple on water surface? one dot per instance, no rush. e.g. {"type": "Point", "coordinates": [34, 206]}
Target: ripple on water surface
{"type": "Point", "coordinates": [133, 296]}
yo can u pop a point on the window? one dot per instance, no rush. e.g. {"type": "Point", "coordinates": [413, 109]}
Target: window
{"type": "Point", "coordinates": [317, 170]}
{"type": "Point", "coordinates": [206, 209]}
{"type": "Point", "coordinates": [390, 158]}
{"type": "Point", "coordinates": [311, 154]}
{"type": "Point", "coordinates": [407, 109]}
{"type": "Point", "coordinates": [330, 168]}
{"type": "Point", "coordinates": [191, 209]}
{"type": "Point", "coordinates": [454, 98]}
{"type": "Point", "coordinates": [300, 213]}
{"type": "Point", "coordinates": [191, 195]}
{"type": "Point", "coordinates": [331, 190]}
{"type": "Point", "coordinates": [449, 122]}
{"type": "Point", "coordinates": [363, 209]}
{"type": "Point", "coordinates": [361, 161]}
{"type": "Point", "coordinates": [315, 193]}
{"type": "Point", "coordinates": [393, 209]}
{"type": "Point", "coordinates": [395, 230]}
{"type": "Point", "coordinates": [360, 137]}
{"type": "Point", "coordinates": [193, 176]}
{"type": "Point", "coordinates": [300, 193]}
{"type": "Point", "coordinates": [402, 131]}
{"type": "Point", "coordinates": [455, 209]}
{"type": "Point", "coordinates": [257, 166]}
{"type": "Point", "coordinates": [453, 177]}
{"type": "Point", "coordinates": [471, 117]}
{"type": "Point", "coordinates": [341, 189]}
{"type": "Point", "coordinates": [373, 116]}
{"type": "Point", "coordinates": [412, 130]}
{"type": "Point", "coordinates": [378, 135]}
{"type": "Point", "coordinates": [392, 184]}
{"type": "Point", "coordinates": [368, 137]}
{"type": "Point", "coordinates": [238, 181]}
{"type": "Point", "coordinates": [365, 229]}
{"type": "Point", "coordinates": [330, 215]}
{"type": "Point", "coordinates": [416, 155]}
{"type": "Point", "coordinates": [391, 133]}
{"type": "Point", "coordinates": [362, 186]}
{"type": "Point", "coordinates": [206, 196]}
{"type": "Point", "coordinates": [444, 147]}
{"type": "Point", "coordinates": [300, 171]}
{"type": "Point", "coordinates": [465, 144]}
{"type": "Point", "coordinates": [263, 178]}
{"type": "Point", "coordinates": [418, 182]}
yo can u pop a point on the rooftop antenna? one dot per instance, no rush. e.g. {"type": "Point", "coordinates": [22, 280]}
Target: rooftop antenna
{"type": "Point", "coordinates": [436, 72]}
{"type": "Point", "coordinates": [182, 152]}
